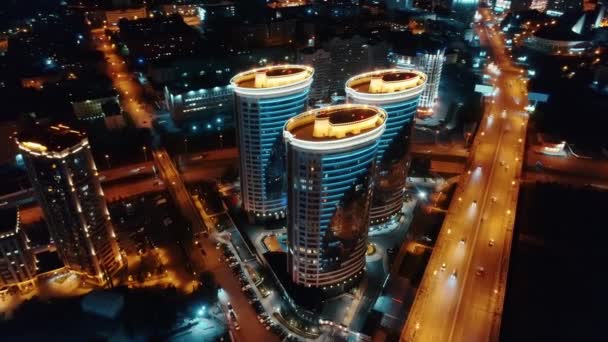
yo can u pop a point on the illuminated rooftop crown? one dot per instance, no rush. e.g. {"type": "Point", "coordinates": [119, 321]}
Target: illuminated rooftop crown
{"type": "Point", "coordinates": [272, 76]}
{"type": "Point", "coordinates": [52, 141]}
{"type": "Point", "coordinates": [385, 86]}
{"type": "Point", "coordinates": [336, 123]}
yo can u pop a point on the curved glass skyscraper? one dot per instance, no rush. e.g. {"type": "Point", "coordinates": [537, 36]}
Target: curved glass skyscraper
{"type": "Point", "coordinates": [331, 155]}
{"type": "Point", "coordinates": [396, 91]}
{"type": "Point", "coordinates": [265, 99]}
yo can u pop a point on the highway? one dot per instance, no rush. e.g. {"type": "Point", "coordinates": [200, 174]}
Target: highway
{"type": "Point", "coordinates": [461, 295]}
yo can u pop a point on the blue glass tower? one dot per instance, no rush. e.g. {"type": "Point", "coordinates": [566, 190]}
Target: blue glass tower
{"type": "Point", "coordinates": [331, 156]}
{"type": "Point", "coordinates": [265, 99]}
{"type": "Point", "coordinates": [397, 91]}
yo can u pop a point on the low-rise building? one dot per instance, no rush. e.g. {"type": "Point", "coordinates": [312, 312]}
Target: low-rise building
{"type": "Point", "coordinates": [192, 13]}
{"type": "Point", "coordinates": [204, 99]}
{"type": "Point", "coordinates": [95, 106]}
{"type": "Point", "coordinates": [218, 9]}
{"type": "Point", "coordinates": [184, 67]}
{"type": "Point", "coordinates": [113, 16]}
{"type": "Point", "coordinates": [158, 38]}
{"type": "Point", "coordinates": [90, 98]}
{"type": "Point", "coordinates": [17, 261]}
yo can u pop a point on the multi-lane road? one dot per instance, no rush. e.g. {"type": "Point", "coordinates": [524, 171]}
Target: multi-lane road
{"type": "Point", "coordinates": [461, 294]}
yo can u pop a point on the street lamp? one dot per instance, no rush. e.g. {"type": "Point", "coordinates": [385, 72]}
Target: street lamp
{"type": "Point", "coordinates": [143, 148]}
{"type": "Point", "coordinates": [107, 156]}
{"type": "Point", "coordinates": [467, 137]}
{"type": "Point", "coordinates": [221, 140]}
{"type": "Point", "coordinates": [416, 328]}
{"type": "Point", "coordinates": [185, 145]}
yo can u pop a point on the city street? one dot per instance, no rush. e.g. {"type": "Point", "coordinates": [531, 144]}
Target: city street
{"type": "Point", "coordinates": [462, 292]}
{"type": "Point", "coordinates": [129, 90]}
{"type": "Point", "coordinates": [252, 329]}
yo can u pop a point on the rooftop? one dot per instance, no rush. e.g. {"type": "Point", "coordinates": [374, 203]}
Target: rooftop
{"type": "Point", "coordinates": [407, 44]}
{"type": "Point", "coordinates": [8, 220]}
{"type": "Point", "coordinates": [84, 89]}
{"type": "Point", "coordinates": [42, 139]}
{"type": "Point", "coordinates": [335, 122]}
{"type": "Point", "coordinates": [386, 81]}
{"type": "Point", "coordinates": [559, 34]}
{"type": "Point", "coordinates": [196, 83]}
{"type": "Point", "coordinates": [272, 76]}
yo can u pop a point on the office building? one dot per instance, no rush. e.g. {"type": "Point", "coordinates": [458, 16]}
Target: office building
{"type": "Point", "coordinates": [539, 5]}
{"type": "Point", "coordinates": [398, 92]}
{"type": "Point", "coordinates": [218, 10]}
{"type": "Point", "coordinates": [158, 38]}
{"type": "Point", "coordinates": [265, 98]}
{"type": "Point", "coordinates": [427, 55]}
{"type": "Point", "coordinates": [331, 155]}
{"type": "Point", "coordinates": [192, 13]}
{"type": "Point", "coordinates": [559, 7]}
{"type": "Point", "coordinates": [90, 100]}
{"type": "Point", "coordinates": [207, 99]}
{"type": "Point", "coordinates": [63, 175]}
{"type": "Point", "coordinates": [94, 108]}
{"type": "Point", "coordinates": [113, 16]}
{"type": "Point", "coordinates": [17, 262]}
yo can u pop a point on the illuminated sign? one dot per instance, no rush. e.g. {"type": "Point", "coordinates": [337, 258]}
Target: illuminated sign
{"type": "Point", "coordinates": [32, 146]}
{"type": "Point", "coordinates": [502, 4]}
{"type": "Point", "coordinates": [485, 90]}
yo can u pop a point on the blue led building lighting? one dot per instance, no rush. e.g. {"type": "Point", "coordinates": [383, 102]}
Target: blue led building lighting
{"type": "Point", "coordinates": [265, 99]}
{"type": "Point", "coordinates": [331, 156]}
{"type": "Point", "coordinates": [398, 92]}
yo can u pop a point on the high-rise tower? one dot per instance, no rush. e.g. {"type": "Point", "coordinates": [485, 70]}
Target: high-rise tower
{"type": "Point", "coordinates": [425, 54]}
{"type": "Point", "coordinates": [64, 177]}
{"type": "Point", "coordinates": [331, 155]}
{"type": "Point", "coordinates": [320, 60]}
{"type": "Point", "coordinates": [398, 92]}
{"type": "Point", "coordinates": [265, 99]}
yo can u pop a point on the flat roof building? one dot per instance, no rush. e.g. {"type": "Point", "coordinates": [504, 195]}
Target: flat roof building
{"type": "Point", "coordinates": [331, 155]}
{"type": "Point", "coordinates": [205, 99]}
{"type": "Point", "coordinates": [398, 92]}
{"type": "Point", "coordinates": [17, 262]}
{"type": "Point", "coordinates": [265, 99]}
